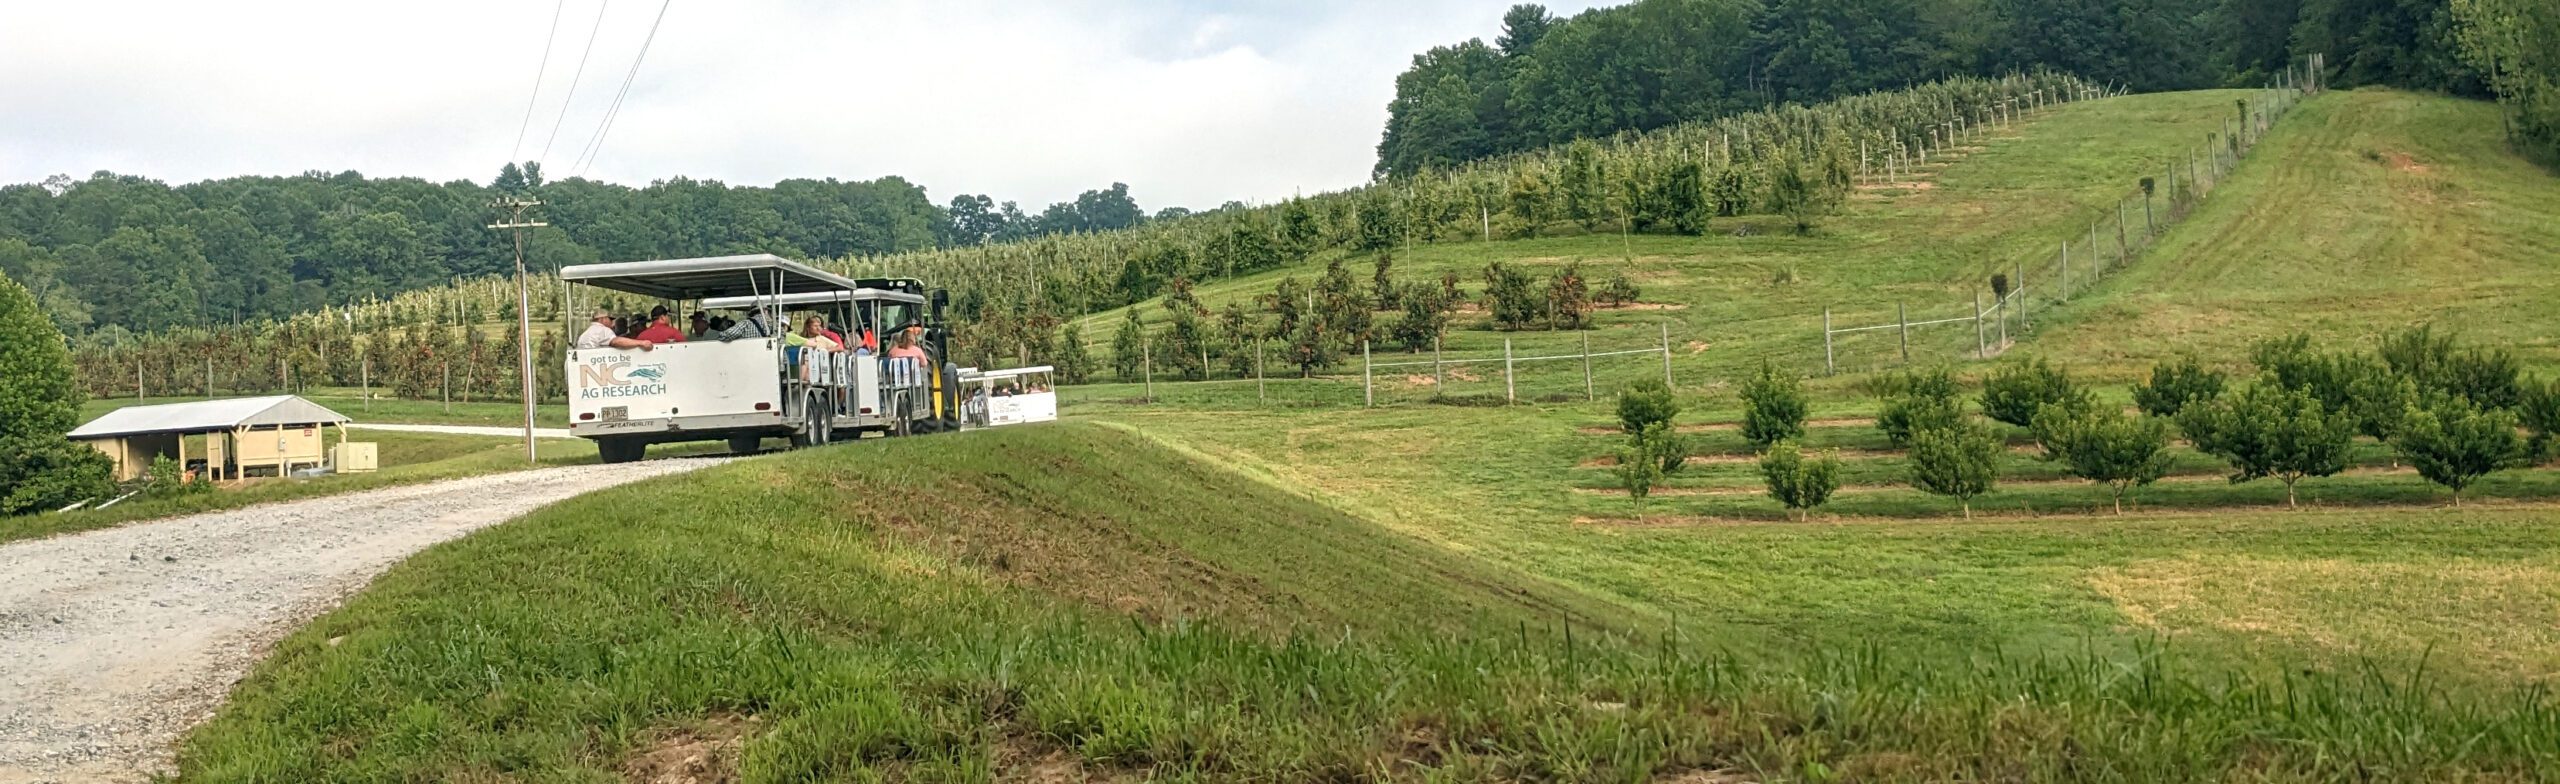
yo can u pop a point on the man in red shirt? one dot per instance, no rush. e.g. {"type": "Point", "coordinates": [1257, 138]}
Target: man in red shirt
{"type": "Point", "coordinates": [659, 330]}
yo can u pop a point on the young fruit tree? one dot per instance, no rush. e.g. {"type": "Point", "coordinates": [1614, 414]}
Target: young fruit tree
{"type": "Point", "coordinates": [2539, 412]}
{"type": "Point", "coordinates": [2454, 443]}
{"type": "Point", "coordinates": [1800, 484]}
{"type": "Point", "coordinates": [1773, 406]}
{"type": "Point", "coordinates": [2105, 446]}
{"type": "Point", "coordinates": [2176, 384]}
{"type": "Point", "coordinates": [1959, 462]}
{"type": "Point", "coordinates": [1075, 366]}
{"type": "Point", "coordinates": [1915, 402]}
{"type": "Point", "coordinates": [2267, 430]}
{"type": "Point", "coordinates": [1129, 348]}
{"type": "Point", "coordinates": [2016, 391]}
{"type": "Point", "coordinates": [1638, 470]}
{"type": "Point", "coordinates": [1644, 403]}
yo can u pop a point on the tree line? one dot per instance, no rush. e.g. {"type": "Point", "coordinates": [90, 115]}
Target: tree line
{"type": "Point", "coordinates": [1655, 63]}
{"type": "Point", "coordinates": [122, 254]}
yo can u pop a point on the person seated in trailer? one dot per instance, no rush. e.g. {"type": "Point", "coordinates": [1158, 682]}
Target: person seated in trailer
{"type": "Point", "coordinates": [813, 335]}
{"type": "Point", "coordinates": [600, 334]}
{"type": "Point", "coordinates": [660, 330]}
{"type": "Point", "coordinates": [907, 345]}
{"type": "Point", "coordinates": [755, 325]}
{"type": "Point", "coordinates": [700, 327]}
{"type": "Point", "coordinates": [833, 335]}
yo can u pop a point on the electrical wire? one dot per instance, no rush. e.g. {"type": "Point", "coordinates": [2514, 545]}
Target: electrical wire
{"type": "Point", "coordinates": [574, 76]}
{"type": "Point", "coordinates": [596, 145]}
{"type": "Point", "coordinates": [538, 71]}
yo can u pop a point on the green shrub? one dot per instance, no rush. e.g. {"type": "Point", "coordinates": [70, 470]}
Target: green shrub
{"type": "Point", "coordinates": [1643, 403]}
{"type": "Point", "coordinates": [2454, 442]}
{"type": "Point", "coordinates": [1960, 462]}
{"type": "Point", "coordinates": [2176, 384]}
{"type": "Point", "coordinates": [39, 469]}
{"type": "Point", "coordinates": [1800, 484]}
{"type": "Point", "coordinates": [2017, 390]}
{"type": "Point", "coordinates": [1773, 406]}
{"type": "Point", "coordinates": [1916, 401]}
{"type": "Point", "coordinates": [2267, 430]}
{"type": "Point", "coordinates": [2105, 446]}
{"type": "Point", "coordinates": [2538, 409]}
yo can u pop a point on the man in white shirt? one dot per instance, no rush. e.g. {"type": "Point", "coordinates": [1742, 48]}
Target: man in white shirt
{"type": "Point", "coordinates": [600, 334]}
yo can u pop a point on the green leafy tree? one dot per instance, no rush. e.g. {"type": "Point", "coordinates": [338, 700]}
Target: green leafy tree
{"type": "Point", "coordinates": [1643, 403]}
{"type": "Point", "coordinates": [1960, 462]}
{"type": "Point", "coordinates": [1425, 318]}
{"type": "Point", "coordinates": [1511, 296]}
{"type": "Point", "coordinates": [39, 469]}
{"type": "Point", "coordinates": [1797, 190]}
{"type": "Point", "coordinates": [1799, 484]}
{"type": "Point", "coordinates": [1916, 401]}
{"type": "Point", "coordinates": [1075, 365]}
{"type": "Point", "coordinates": [2105, 446]}
{"type": "Point", "coordinates": [1129, 352]}
{"type": "Point", "coordinates": [1619, 290]}
{"type": "Point", "coordinates": [2267, 430]}
{"type": "Point", "coordinates": [1773, 406]}
{"type": "Point", "coordinates": [1638, 471]}
{"type": "Point", "coordinates": [2177, 384]}
{"type": "Point", "coordinates": [2453, 442]}
{"type": "Point", "coordinates": [2017, 391]}
{"type": "Point", "coordinates": [1568, 299]}
{"type": "Point", "coordinates": [2539, 412]}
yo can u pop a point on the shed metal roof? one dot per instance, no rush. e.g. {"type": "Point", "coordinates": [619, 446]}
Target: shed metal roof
{"type": "Point", "coordinates": [208, 415]}
{"type": "Point", "coordinates": [705, 278]}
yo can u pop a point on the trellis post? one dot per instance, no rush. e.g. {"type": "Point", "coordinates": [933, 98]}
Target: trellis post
{"type": "Point", "coordinates": [1147, 367]}
{"type": "Point", "coordinates": [1368, 389]}
{"type": "Point", "coordinates": [1260, 393]}
{"type": "Point", "coordinates": [2066, 270]}
{"type": "Point", "coordinates": [1902, 317]}
{"type": "Point", "coordinates": [2020, 292]}
{"type": "Point", "coordinates": [1589, 392]}
{"type": "Point", "coordinates": [1827, 367]}
{"type": "Point", "coordinates": [1980, 350]}
{"type": "Point", "coordinates": [1439, 378]}
{"type": "Point", "coordinates": [1666, 356]}
{"type": "Point", "coordinates": [1510, 391]}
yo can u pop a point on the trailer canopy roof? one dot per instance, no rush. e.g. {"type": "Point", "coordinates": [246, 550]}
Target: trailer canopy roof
{"type": "Point", "coordinates": [817, 297]}
{"type": "Point", "coordinates": [760, 274]}
{"type": "Point", "coordinates": [209, 415]}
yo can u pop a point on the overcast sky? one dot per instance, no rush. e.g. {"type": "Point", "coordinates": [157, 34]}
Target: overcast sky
{"type": "Point", "coordinates": [1192, 103]}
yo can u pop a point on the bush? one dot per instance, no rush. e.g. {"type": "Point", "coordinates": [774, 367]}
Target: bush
{"type": "Point", "coordinates": [1511, 296]}
{"type": "Point", "coordinates": [1619, 291]}
{"type": "Point", "coordinates": [1773, 406]}
{"type": "Point", "coordinates": [2017, 390]}
{"type": "Point", "coordinates": [1960, 462]}
{"type": "Point", "coordinates": [1917, 401]}
{"type": "Point", "coordinates": [2174, 385]}
{"type": "Point", "coordinates": [39, 473]}
{"type": "Point", "coordinates": [1643, 403]}
{"type": "Point", "coordinates": [2267, 430]}
{"type": "Point", "coordinates": [1800, 484]}
{"type": "Point", "coordinates": [2453, 442]}
{"type": "Point", "coordinates": [2105, 446]}
{"type": "Point", "coordinates": [168, 477]}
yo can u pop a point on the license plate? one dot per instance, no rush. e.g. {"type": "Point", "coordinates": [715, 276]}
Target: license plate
{"type": "Point", "coordinates": [614, 413]}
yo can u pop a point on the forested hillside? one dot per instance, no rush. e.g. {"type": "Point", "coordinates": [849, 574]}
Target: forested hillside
{"type": "Point", "coordinates": [1653, 63]}
{"type": "Point", "coordinates": [127, 253]}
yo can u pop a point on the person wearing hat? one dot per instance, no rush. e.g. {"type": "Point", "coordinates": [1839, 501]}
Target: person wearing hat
{"type": "Point", "coordinates": [701, 327]}
{"type": "Point", "coordinates": [600, 334]}
{"type": "Point", "coordinates": [661, 330]}
{"type": "Point", "coordinates": [755, 325]}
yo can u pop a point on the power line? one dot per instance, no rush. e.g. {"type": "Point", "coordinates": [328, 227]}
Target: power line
{"type": "Point", "coordinates": [581, 73]}
{"type": "Point", "coordinates": [596, 145]}
{"type": "Point", "coordinates": [538, 70]}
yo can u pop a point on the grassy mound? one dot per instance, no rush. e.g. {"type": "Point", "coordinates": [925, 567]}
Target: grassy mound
{"type": "Point", "coordinates": [1078, 602]}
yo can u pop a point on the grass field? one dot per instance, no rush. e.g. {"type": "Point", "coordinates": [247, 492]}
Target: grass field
{"type": "Point", "coordinates": [959, 608]}
{"type": "Point", "coordinates": [1212, 585]}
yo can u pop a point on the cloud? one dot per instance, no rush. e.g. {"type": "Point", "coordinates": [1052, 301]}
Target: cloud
{"type": "Point", "coordinates": [1191, 104]}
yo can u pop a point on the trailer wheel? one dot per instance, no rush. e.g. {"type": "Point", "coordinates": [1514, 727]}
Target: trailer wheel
{"type": "Point", "coordinates": [739, 445]}
{"type": "Point", "coordinates": [620, 450]}
{"type": "Point", "coordinates": [819, 427]}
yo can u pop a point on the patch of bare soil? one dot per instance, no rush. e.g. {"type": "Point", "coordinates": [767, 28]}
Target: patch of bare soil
{"type": "Point", "coordinates": [1718, 776]}
{"type": "Point", "coordinates": [1647, 306]}
{"type": "Point", "coordinates": [1905, 185]}
{"type": "Point", "coordinates": [1020, 761]}
{"type": "Point", "coordinates": [705, 752]}
{"type": "Point", "coordinates": [2400, 161]}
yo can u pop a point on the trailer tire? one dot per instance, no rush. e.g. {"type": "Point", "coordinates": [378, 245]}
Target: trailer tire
{"type": "Point", "coordinates": [740, 445]}
{"type": "Point", "coordinates": [620, 450]}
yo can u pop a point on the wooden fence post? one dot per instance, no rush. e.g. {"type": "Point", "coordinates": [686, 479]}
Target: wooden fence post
{"type": "Point", "coordinates": [1510, 391]}
{"type": "Point", "coordinates": [1980, 350]}
{"type": "Point", "coordinates": [365, 379]}
{"type": "Point", "coordinates": [2066, 270]}
{"type": "Point", "coordinates": [2020, 289]}
{"type": "Point", "coordinates": [1260, 393]}
{"type": "Point", "coordinates": [1666, 356]}
{"type": "Point", "coordinates": [1147, 367]}
{"type": "Point", "coordinates": [447, 386]}
{"type": "Point", "coordinates": [1368, 389]}
{"type": "Point", "coordinates": [1439, 378]}
{"type": "Point", "coordinates": [1827, 367]}
{"type": "Point", "coordinates": [137, 380]}
{"type": "Point", "coordinates": [1902, 317]}
{"type": "Point", "coordinates": [1589, 392]}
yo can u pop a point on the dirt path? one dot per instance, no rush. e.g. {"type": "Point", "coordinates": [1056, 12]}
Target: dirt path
{"type": "Point", "coordinates": [113, 642]}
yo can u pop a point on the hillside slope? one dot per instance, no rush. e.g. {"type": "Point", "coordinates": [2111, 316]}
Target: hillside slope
{"type": "Point", "coordinates": [2363, 211]}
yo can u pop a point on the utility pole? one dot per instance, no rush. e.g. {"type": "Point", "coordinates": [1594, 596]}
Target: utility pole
{"type": "Point", "coordinates": [516, 223]}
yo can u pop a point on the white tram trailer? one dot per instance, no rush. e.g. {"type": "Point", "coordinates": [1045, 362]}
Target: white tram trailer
{"type": "Point", "coordinates": [753, 387]}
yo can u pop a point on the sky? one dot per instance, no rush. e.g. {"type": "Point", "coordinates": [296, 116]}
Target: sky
{"type": "Point", "coordinates": [1190, 103]}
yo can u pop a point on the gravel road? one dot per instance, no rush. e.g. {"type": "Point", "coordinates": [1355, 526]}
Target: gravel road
{"type": "Point", "coordinates": [114, 642]}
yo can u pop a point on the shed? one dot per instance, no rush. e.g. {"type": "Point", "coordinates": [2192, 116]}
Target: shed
{"type": "Point", "coordinates": [249, 436]}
